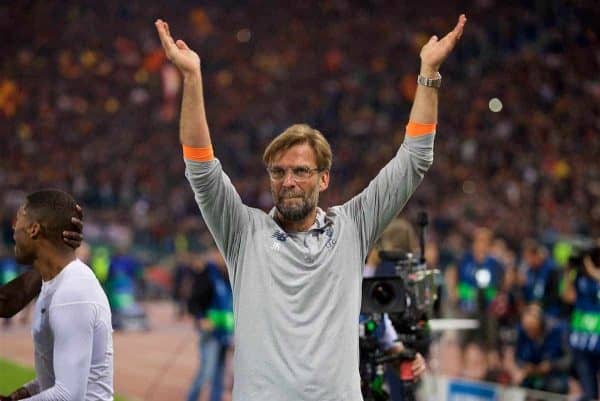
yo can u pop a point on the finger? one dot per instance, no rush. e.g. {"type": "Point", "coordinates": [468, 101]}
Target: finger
{"type": "Point", "coordinates": [72, 244]}
{"type": "Point", "coordinates": [433, 39]}
{"type": "Point", "coordinates": [160, 28]}
{"type": "Point", "coordinates": [79, 211]}
{"type": "Point", "coordinates": [462, 20]}
{"type": "Point", "coordinates": [418, 370]}
{"type": "Point", "coordinates": [168, 31]}
{"type": "Point", "coordinates": [418, 363]}
{"type": "Point", "coordinates": [161, 34]}
{"type": "Point", "coordinates": [165, 37]}
{"type": "Point", "coordinates": [77, 223]}
{"type": "Point", "coordinates": [457, 32]}
{"type": "Point", "coordinates": [459, 28]}
{"type": "Point", "coordinates": [72, 236]}
{"type": "Point", "coordinates": [182, 45]}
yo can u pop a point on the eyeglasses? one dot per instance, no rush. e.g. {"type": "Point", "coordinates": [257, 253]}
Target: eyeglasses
{"type": "Point", "coordinates": [299, 173]}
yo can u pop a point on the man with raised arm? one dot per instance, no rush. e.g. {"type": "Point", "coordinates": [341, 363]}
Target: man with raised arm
{"type": "Point", "coordinates": [296, 271]}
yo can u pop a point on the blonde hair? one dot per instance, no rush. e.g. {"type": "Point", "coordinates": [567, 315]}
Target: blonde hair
{"type": "Point", "coordinates": [400, 235]}
{"type": "Point", "coordinates": [299, 134]}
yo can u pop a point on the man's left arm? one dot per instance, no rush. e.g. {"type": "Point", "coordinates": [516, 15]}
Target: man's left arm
{"type": "Point", "coordinates": [72, 328]}
{"type": "Point", "coordinates": [385, 196]}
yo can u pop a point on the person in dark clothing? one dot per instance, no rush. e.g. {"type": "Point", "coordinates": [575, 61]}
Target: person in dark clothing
{"type": "Point", "coordinates": [542, 351]}
{"type": "Point", "coordinates": [479, 276]}
{"type": "Point", "coordinates": [582, 290]}
{"type": "Point", "coordinates": [399, 236]}
{"type": "Point", "coordinates": [542, 278]}
{"type": "Point", "coordinates": [211, 305]}
{"type": "Point", "coordinates": [183, 277]}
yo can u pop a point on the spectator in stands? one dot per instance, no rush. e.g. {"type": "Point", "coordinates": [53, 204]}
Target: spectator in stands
{"type": "Point", "coordinates": [582, 288]}
{"type": "Point", "coordinates": [510, 171]}
{"type": "Point", "coordinates": [541, 278]}
{"type": "Point", "coordinates": [506, 306]}
{"type": "Point", "coordinates": [122, 287]}
{"type": "Point", "coordinates": [479, 276]}
{"type": "Point", "coordinates": [475, 362]}
{"type": "Point", "coordinates": [542, 352]}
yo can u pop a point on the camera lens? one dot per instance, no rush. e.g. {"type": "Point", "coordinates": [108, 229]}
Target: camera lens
{"type": "Point", "coordinates": [383, 293]}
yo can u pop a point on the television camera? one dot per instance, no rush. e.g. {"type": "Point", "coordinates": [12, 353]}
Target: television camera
{"type": "Point", "coordinates": [407, 298]}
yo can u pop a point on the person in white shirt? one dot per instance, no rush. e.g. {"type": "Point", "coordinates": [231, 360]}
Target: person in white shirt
{"type": "Point", "coordinates": [72, 329]}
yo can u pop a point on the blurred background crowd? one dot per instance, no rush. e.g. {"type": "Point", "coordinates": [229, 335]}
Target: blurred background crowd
{"type": "Point", "coordinates": [89, 104]}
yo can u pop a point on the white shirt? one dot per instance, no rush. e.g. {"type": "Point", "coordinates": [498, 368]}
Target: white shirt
{"type": "Point", "coordinates": [72, 334]}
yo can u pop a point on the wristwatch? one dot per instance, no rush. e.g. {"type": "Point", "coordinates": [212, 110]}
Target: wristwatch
{"type": "Point", "coordinates": [434, 82]}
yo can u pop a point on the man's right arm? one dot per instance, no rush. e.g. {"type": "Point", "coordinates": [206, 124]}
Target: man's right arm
{"type": "Point", "coordinates": [16, 294]}
{"type": "Point", "coordinates": [221, 206]}
{"type": "Point", "coordinates": [193, 128]}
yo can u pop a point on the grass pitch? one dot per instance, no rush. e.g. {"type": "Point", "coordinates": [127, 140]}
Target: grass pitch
{"type": "Point", "coordinates": [13, 376]}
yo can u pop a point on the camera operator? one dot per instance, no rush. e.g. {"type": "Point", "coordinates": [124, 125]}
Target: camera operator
{"type": "Point", "coordinates": [387, 338]}
{"type": "Point", "coordinates": [398, 236]}
{"type": "Point", "coordinates": [541, 278]}
{"type": "Point", "coordinates": [582, 288]}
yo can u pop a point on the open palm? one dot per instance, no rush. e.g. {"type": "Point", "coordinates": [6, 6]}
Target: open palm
{"type": "Point", "coordinates": [178, 51]}
{"type": "Point", "coordinates": [436, 51]}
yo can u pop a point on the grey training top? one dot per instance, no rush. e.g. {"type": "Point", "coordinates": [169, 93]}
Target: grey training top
{"type": "Point", "coordinates": [297, 295]}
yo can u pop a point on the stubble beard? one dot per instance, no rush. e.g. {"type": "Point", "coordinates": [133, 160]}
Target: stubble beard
{"type": "Point", "coordinates": [296, 211]}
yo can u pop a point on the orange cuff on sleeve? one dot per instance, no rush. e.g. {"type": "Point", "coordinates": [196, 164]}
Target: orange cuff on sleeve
{"type": "Point", "coordinates": [418, 129]}
{"type": "Point", "coordinates": [204, 154]}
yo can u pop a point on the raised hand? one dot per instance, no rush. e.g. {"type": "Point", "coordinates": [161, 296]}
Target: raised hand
{"type": "Point", "coordinates": [436, 51]}
{"type": "Point", "coordinates": [186, 60]}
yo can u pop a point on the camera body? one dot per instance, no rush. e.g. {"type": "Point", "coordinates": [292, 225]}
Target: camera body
{"type": "Point", "coordinates": [407, 298]}
{"type": "Point", "coordinates": [419, 293]}
{"type": "Point", "coordinates": [406, 295]}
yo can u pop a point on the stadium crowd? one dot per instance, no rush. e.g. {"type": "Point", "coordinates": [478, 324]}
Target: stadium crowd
{"type": "Point", "coordinates": [89, 104]}
{"type": "Point", "coordinates": [98, 100]}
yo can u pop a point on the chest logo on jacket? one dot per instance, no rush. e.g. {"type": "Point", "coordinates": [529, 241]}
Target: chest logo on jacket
{"type": "Point", "coordinates": [279, 235]}
{"type": "Point", "coordinates": [330, 241]}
